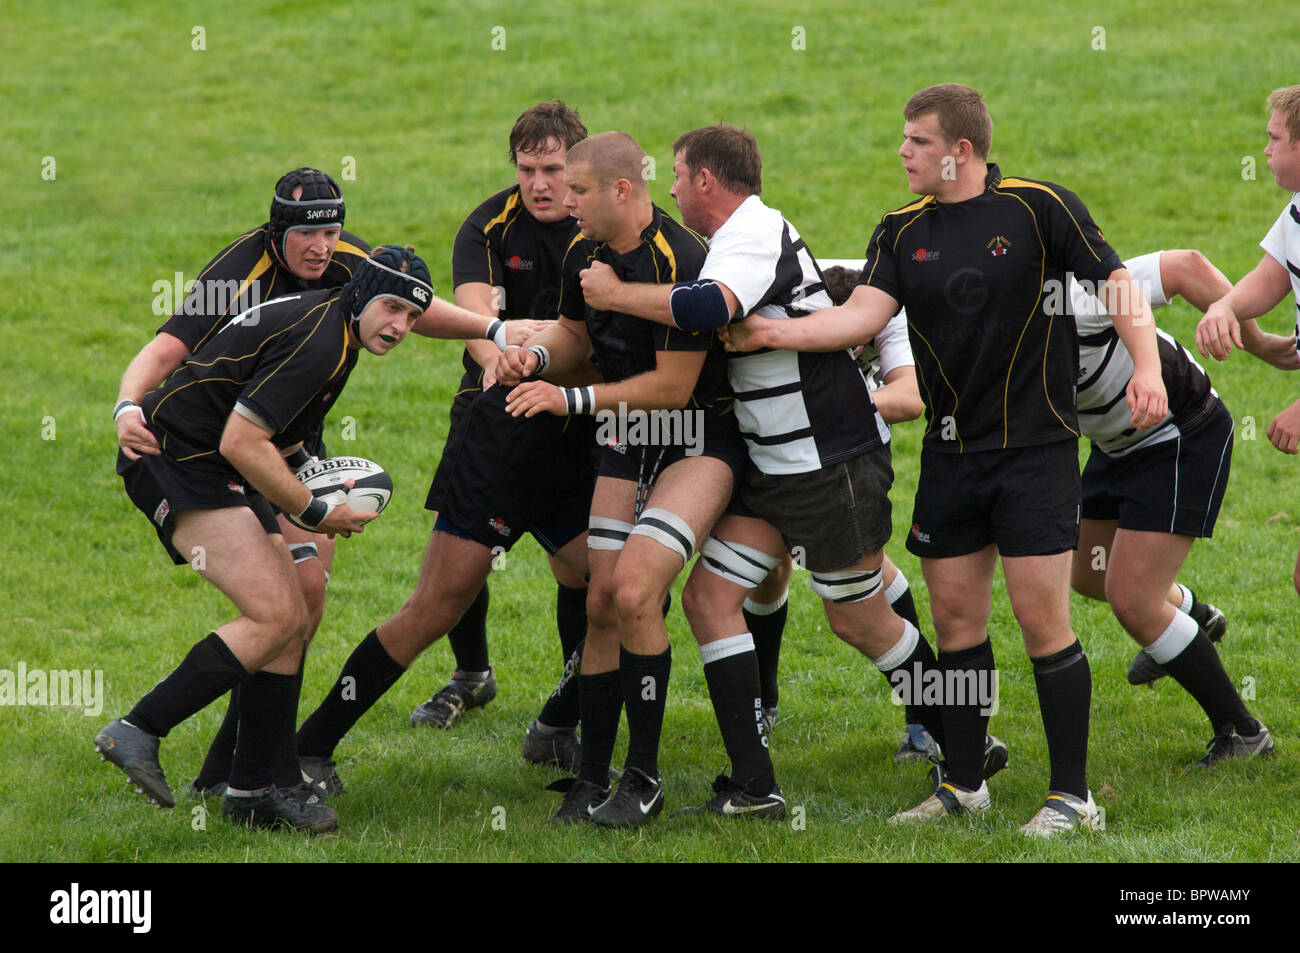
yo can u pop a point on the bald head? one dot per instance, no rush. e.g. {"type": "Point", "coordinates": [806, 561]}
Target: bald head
{"type": "Point", "coordinates": [612, 156]}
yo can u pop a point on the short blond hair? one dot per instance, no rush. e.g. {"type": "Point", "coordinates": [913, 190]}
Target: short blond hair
{"type": "Point", "coordinates": [961, 112]}
{"type": "Point", "coordinates": [1287, 101]}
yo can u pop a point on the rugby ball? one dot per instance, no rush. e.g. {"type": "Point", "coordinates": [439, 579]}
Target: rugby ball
{"type": "Point", "coordinates": [369, 494]}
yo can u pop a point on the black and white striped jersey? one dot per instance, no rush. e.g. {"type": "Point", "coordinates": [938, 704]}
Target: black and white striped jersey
{"type": "Point", "coordinates": [1283, 245]}
{"type": "Point", "coordinates": [1105, 367]}
{"type": "Point", "coordinates": [798, 412]}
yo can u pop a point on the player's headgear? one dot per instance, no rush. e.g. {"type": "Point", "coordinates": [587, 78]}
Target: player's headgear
{"type": "Point", "coordinates": [391, 271]}
{"type": "Point", "coordinates": [319, 206]}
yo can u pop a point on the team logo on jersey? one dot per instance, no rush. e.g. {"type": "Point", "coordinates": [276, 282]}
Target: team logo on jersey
{"type": "Point", "coordinates": [918, 535]}
{"type": "Point", "coordinates": [515, 263]}
{"type": "Point", "coordinates": [160, 514]}
{"type": "Point", "coordinates": [922, 254]}
{"type": "Point", "coordinates": [498, 524]}
{"type": "Point", "coordinates": [235, 487]}
{"type": "Point", "coordinates": [998, 245]}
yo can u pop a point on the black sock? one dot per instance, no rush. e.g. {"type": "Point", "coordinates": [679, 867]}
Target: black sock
{"type": "Point", "coordinates": [903, 605]}
{"type": "Point", "coordinates": [369, 672]}
{"type": "Point", "coordinates": [645, 693]}
{"type": "Point", "coordinates": [1064, 682]}
{"type": "Point", "coordinates": [563, 708]}
{"type": "Point", "coordinates": [912, 677]}
{"type": "Point", "coordinates": [767, 629]}
{"type": "Point", "coordinates": [287, 770]}
{"type": "Point", "coordinates": [221, 753]}
{"type": "Point", "coordinates": [268, 705]}
{"type": "Point", "coordinates": [468, 637]}
{"type": "Point", "coordinates": [964, 726]}
{"type": "Point", "coordinates": [206, 673]}
{"type": "Point", "coordinates": [1199, 670]}
{"type": "Point", "coordinates": [570, 618]}
{"type": "Point", "coordinates": [602, 702]}
{"type": "Point", "coordinates": [731, 671]}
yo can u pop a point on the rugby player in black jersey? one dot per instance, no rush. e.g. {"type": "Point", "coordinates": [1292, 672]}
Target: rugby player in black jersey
{"type": "Point", "coordinates": [222, 422]}
{"type": "Point", "coordinates": [506, 263]}
{"type": "Point", "coordinates": [663, 481]}
{"type": "Point", "coordinates": [971, 262]}
{"type": "Point", "coordinates": [818, 476]}
{"type": "Point", "coordinates": [301, 247]}
{"type": "Point", "coordinates": [1149, 494]}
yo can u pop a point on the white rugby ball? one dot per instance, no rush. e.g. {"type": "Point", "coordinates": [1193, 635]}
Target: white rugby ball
{"type": "Point", "coordinates": [369, 494]}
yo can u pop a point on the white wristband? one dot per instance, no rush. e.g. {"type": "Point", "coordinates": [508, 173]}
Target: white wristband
{"type": "Point", "coordinates": [125, 406]}
{"type": "Point", "coordinates": [496, 333]}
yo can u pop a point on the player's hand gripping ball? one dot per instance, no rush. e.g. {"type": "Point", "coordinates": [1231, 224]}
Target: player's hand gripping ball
{"type": "Point", "coordinates": [370, 492]}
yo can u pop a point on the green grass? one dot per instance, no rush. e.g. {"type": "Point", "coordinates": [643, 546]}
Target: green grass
{"type": "Point", "coordinates": [164, 153]}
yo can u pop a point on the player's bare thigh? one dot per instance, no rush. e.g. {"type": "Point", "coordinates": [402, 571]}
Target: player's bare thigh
{"type": "Point", "coordinates": [1142, 570]}
{"type": "Point", "coordinates": [1039, 590]}
{"type": "Point", "coordinates": [689, 496]}
{"type": "Point", "coordinates": [231, 549]}
{"type": "Point", "coordinates": [961, 597]}
{"type": "Point", "coordinates": [1091, 559]}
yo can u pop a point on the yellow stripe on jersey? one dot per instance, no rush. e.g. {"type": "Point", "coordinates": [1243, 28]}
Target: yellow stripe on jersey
{"type": "Point", "coordinates": [915, 218]}
{"type": "Point", "coordinates": [233, 245]}
{"type": "Point", "coordinates": [1042, 258]}
{"type": "Point", "coordinates": [321, 308]}
{"type": "Point", "coordinates": [511, 204]}
{"type": "Point", "coordinates": [1025, 184]}
{"type": "Point", "coordinates": [662, 244]}
{"type": "Point", "coordinates": [937, 364]}
{"type": "Point", "coordinates": [920, 203]}
{"type": "Point", "coordinates": [263, 264]}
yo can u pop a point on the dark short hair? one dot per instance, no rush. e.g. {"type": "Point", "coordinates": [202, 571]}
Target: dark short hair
{"type": "Point", "coordinates": [731, 154]}
{"type": "Point", "coordinates": [962, 114]}
{"type": "Point", "coordinates": [840, 282]}
{"type": "Point", "coordinates": [539, 124]}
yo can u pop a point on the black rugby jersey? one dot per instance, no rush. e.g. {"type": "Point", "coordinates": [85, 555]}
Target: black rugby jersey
{"type": "Point", "coordinates": [625, 346]}
{"type": "Point", "coordinates": [996, 370]}
{"type": "Point", "coordinates": [245, 274]}
{"type": "Point", "coordinates": [286, 361]}
{"type": "Point", "coordinates": [502, 245]}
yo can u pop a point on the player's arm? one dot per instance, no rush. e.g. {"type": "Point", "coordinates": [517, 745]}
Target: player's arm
{"type": "Point", "coordinates": [248, 448]}
{"type": "Point", "coordinates": [667, 387]}
{"type": "Point", "coordinates": [1255, 295]}
{"type": "Point", "coordinates": [562, 348]}
{"type": "Point", "coordinates": [899, 399]}
{"type": "Point", "coordinates": [442, 319]}
{"type": "Point", "coordinates": [689, 305]}
{"type": "Point", "coordinates": [1130, 313]}
{"type": "Point", "coordinates": [146, 371]}
{"type": "Point", "coordinates": [859, 319]}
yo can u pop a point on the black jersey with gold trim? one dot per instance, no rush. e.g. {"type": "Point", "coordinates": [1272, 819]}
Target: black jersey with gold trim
{"type": "Point", "coordinates": [996, 368]}
{"type": "Point", "coordinates": [286, 361]}
{"type": "Point", "coordinates": [625, 346]}
{"type": "Point", "coordinates": [245, 274]}
{"type": "Point", "coordinates": [501, 244]}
